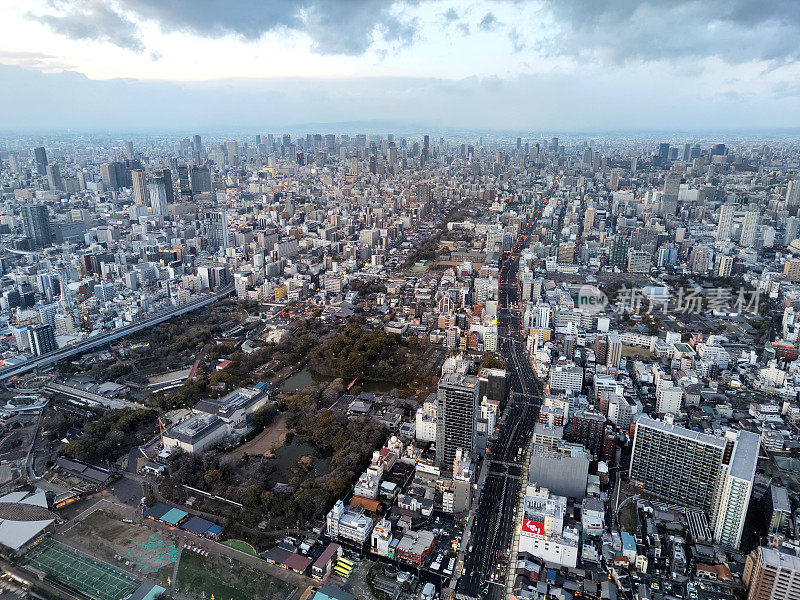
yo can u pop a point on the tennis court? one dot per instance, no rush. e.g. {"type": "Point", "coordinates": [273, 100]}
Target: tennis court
{"type": "Point", "coordinates": [89, 576]}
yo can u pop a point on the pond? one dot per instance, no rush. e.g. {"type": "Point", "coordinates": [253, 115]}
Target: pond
{"type": "Point", "coordinates": [286, 458]}
{"type": "Point", "coordinates": [306, 377]}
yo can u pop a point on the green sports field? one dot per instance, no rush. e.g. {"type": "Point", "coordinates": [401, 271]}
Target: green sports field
{"type": "Point", "coordinates": [92, 577]}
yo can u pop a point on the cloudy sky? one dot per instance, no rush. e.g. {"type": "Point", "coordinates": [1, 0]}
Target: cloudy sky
{"type": "Point", "coordinates": [546, 65]}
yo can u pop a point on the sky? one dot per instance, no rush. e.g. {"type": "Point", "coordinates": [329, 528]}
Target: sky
{"type": "Point", "coordinates": [512, 65]}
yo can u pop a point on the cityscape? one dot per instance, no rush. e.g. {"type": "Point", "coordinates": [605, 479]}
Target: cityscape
{"type": "Point", "coordinates": [379, 347]}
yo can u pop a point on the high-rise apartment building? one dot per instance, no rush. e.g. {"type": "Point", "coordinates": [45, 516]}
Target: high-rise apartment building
{"type": "Point", "coordinates": [457, 402]}
{"type": "Point", "coordinates": [36, 222]}
{"type": "Point", "coordinates": [749, 227]}
{"type": "Point", "coordinates": [770, 574]}
{"type": "Point", "coordinates": [725, 222]}
{"type": "Point", "coordinates": [793, 195]}
{"type": "Point", "coordinates": [693, 469]}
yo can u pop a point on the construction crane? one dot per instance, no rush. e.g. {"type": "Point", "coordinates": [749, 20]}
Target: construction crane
{"type": "Point", "coordinates": [161, 428]}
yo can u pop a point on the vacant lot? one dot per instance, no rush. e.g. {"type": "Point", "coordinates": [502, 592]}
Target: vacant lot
{"type": "Point", "coordinates": [133, 547]}
{"type": "Point", "coordinates": [267, 441]}
{"type": "Point", "coordinates": [202, 576]}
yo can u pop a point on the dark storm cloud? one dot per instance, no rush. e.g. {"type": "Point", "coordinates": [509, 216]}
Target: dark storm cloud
{"type": "Point", "coordinates": [335, 26]}
{"type": "Point", "coordinates": [623, 30]}
{"type": "Point", "coordinates": [94, 21]}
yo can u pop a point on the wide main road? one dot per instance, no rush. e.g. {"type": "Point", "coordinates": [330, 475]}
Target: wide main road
{"type": "Point", "coordinates": [486, 560]}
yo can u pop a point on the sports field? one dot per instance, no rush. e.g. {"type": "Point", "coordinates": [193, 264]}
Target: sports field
{"type": "Point", "coordinates": [80, 572]}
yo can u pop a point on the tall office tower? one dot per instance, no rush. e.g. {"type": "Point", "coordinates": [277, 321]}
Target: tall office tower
{"type": "Point", "coordinates": [613, 183]}
{"type": "Point", "coordinates": [553, 145]}
{"type": "Point", "coordinates": [749, 226]}
{"type": "Point", "coordinates": [129, 149]}
{"type": "Point", "coordinates": [43, 339]}
{"type": "Point", "coordinates": [41, 160]}
{"type": "Point", "coordinates": [200, 179]}
{"type": "Point", "coordinates": [392, 155]}
{"type": "Point", "coordinates": [232, 149]}
{"type": "Point", "coordinates": [108, 173]}
{"type": "Point", "coordinates": [36, 223]}
{"type": "Point", "coordinates": [54, 177]}
{"type": "Point", "coordinates": [157, 190]}
{"type": "Point", "coordinates": [698, 470]}
{"type": "Point", "coordinates": [663, 153]}
{"type": "Point", "coordinates": [217, 233]}
{"type": "Point", "coordinates": [770, 574]}
{"type": "Point", "coordinates": [725, 222]}
{"type": "Point", "coordinates": [793, 195]}
{"type": "Point", "coordinates": [197, 143]}
{"type": "Point", "coordinates": [139, 180]}
{"type": "Point", "coordinates": [634, 162]}
{"type": "Point", "coordinates": [669, 201]}
{"type": "Point", "coordinates": [687, 152]}
{"type": "Point", "coordinates": [166, 175]}
{"type": "Point", "coordinates": [456, 409]}
{"type": "Point", "coordinates": [184, 186]}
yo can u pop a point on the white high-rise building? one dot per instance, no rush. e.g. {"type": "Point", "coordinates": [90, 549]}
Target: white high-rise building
{"type": "Point", "coordinates": [734, 487]}
{"type": "Point", "coordinates": [749, 225]}
{"type": "Point", "coordinates": [725, 223]}
{"type": "Point", "coordinates": [793, 194]}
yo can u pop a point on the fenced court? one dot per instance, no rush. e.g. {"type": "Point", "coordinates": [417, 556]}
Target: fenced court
{"type": "Point", "coordinates": [80, 572]}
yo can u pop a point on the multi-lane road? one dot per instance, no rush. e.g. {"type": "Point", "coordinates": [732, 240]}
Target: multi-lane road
{"type": "Point", "coordinates": [486, 560]}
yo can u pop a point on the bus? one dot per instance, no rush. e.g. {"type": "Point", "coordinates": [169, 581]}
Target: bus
{"type": "Point", "coordinates": [345, 561]}
{"type": "Point", "coordinates": [342, 571]}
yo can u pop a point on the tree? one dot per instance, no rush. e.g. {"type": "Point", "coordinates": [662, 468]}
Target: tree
{"type": "Point", "coordinates": [251, 495]}
{"type": "Point", "coordinates": [212, 477]}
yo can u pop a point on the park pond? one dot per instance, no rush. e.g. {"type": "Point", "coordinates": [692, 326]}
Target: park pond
{"type": "Point", "coordinates": [306, 377]}
{"type": "Point", "coordinates": [295, 459]}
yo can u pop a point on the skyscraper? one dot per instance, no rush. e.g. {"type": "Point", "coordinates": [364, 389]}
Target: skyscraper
{"type": "Point", "coordinates": [157, 191]}
{"type": "Point", "coordinates": [36, 223]}
{"type": "Point", "coordinates": [725, 222]}
{"type": "Point", "coordinates": [232, 149]}
{"type": "Point", "coordinates": [749, 226]}
{"type": "Point", "coordinates": [41, 160]}
{"type": "Point", "coordinates": [139, 179]}
{"type": "Point", "coordinates": [669, 200]}
{"type": "Point", "coordinates": [54, 177]}
{"type": "Point", "coordinates": [166, 175]}
{"type": "Point", "coordinates": [793, 195]}
{"type": "Point", "coordinates": [456, 409]}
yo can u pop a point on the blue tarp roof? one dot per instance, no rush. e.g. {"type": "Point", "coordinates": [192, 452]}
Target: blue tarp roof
{"type": "Point", "coordinates": [197, 525]}
{"type": "Point", "coordinates": [174, 516]}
